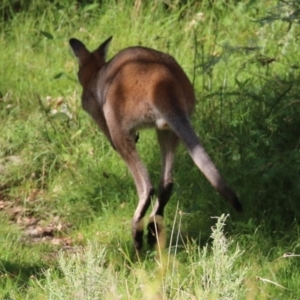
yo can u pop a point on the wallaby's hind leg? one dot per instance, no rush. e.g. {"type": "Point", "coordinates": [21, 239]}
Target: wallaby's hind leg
{"type": "Point", "coordinates": [168, 142]}
{"type": "Point", "coordinates": [125, 145]}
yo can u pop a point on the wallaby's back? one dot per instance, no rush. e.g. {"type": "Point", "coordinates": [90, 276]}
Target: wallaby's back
{"type": "Point", "coordinates": [140, 83]}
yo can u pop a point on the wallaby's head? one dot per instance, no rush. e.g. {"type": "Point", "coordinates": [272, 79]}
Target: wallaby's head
{"type": "Point", "coordinates": [89, 62]}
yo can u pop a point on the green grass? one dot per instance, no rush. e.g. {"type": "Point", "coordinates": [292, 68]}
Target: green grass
{"type": "Point", "coordinates": [242, 57]}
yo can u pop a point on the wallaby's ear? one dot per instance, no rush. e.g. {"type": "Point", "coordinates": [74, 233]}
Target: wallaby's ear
{"type": "Point", "coordinates": [102, 49]}
{"type": "Point", "coordinates": [79, 50]}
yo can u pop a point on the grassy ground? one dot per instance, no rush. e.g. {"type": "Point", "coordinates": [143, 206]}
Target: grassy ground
{"type": "Point", "coordinates": [67, 198]}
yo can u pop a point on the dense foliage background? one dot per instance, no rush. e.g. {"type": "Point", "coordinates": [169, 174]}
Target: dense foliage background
{"type": "Point", "coordinates": [61, 184]}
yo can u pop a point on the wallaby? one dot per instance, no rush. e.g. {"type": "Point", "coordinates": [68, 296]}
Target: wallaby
{"type": "Point", "coordinates": [141, 88]}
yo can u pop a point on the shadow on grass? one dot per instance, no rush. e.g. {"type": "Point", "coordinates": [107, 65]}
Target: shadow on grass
{"type": "Point", "coordinates": [19, 275]}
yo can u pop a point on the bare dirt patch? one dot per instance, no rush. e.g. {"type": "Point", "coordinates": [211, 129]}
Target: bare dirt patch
{"type": "Point", "coordinates": [36, 229]}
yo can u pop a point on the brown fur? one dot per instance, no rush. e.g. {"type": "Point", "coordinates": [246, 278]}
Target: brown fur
{"type": "Point", "coordinates": [140, 88]}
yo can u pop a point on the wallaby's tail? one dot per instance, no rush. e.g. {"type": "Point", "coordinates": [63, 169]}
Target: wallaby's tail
{"type": "Point", "coordinates": [182, 127]}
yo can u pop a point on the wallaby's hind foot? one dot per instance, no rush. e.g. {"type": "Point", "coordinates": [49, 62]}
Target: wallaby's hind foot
{"type": "Point", "coordinates": [156, 232]}
{"type": "Point", "coordinates": [138, 240]}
